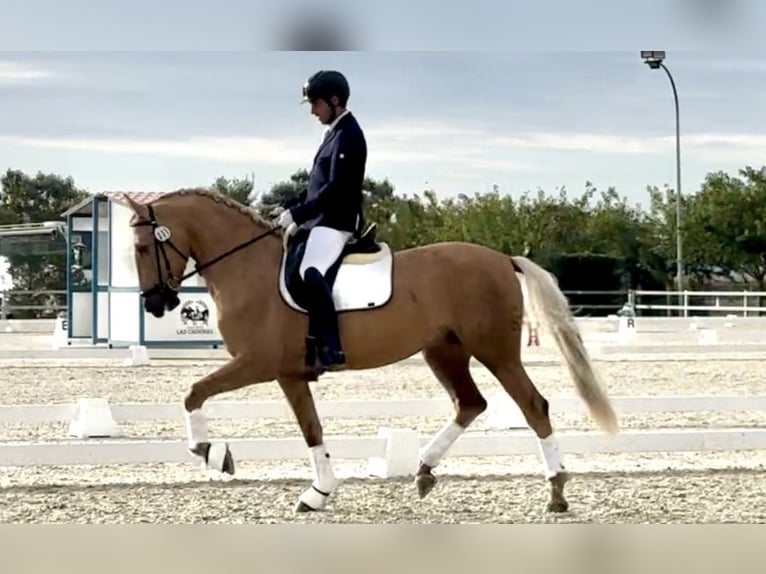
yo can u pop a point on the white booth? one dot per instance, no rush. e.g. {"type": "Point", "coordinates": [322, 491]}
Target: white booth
{"type": "Point", "coordinates": [104, 305]}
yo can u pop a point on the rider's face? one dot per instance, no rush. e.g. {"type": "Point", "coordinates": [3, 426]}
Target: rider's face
{"type": "Point", "coordinates": [322, 110]}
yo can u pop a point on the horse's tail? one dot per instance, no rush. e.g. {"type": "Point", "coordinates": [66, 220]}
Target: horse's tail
{"type": "Point", "coordinates": [548, 303]}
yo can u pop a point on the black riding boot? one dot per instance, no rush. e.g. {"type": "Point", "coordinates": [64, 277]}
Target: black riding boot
{"type": "Point", "coordinates": [323, 322]}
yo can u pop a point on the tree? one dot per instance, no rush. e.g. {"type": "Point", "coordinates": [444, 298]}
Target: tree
{"type": "Point", "coordinates": [283, 192]}
{"type": "Point", "coordinates": [726, 226]}
{"type": "Point", "coordinates": [379, 196]}
{"type": "Point", "coordinates": [25, 199]}
{"type": "Point", "coordinates": [658, 244]}
{"type": "Point", "coordinates": [238, 189]}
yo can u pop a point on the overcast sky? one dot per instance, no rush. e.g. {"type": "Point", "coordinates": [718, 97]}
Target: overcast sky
{"type": "Point", "coordinates": [448, 120]}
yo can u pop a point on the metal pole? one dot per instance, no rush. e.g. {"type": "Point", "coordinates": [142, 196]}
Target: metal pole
{"type": "Point", "coordinates": [679, 253]}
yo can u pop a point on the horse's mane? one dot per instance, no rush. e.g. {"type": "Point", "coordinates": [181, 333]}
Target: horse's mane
{"type": "Point", "coordinates": [219, 197]}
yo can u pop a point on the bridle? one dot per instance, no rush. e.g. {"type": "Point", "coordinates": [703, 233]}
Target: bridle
{"type": "Point", "coordinates": [168, 288]}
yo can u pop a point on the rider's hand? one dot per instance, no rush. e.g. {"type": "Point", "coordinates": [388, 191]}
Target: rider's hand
{"type": "Point", "coordinates": [285, 219]}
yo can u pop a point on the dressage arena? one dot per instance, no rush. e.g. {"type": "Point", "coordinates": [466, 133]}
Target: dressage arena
{"type": "Point", "coordinates": [724, 359]}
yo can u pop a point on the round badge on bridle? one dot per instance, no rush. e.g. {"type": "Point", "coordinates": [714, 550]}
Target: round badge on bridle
{"type": "Point", "coordinates": [161, 233]}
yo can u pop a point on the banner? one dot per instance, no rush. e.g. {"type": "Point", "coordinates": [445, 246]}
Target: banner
{"type": "Point", "coordinates": [195, 319]}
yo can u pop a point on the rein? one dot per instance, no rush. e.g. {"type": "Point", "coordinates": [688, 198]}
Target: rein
{"type": "Point", "coordinates": [162, 237]}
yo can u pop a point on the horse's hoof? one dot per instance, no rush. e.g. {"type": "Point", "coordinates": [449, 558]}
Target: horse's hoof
{"type": "Point", "coordinates": [561, 478]}
{"type": "Point", "coordinates": [201, 449]}
{"type": "Point", "coordinates": [557, 506]}
{"type": "Point", "coordinates": [425, 484]}
{"type": "Point", "coordinates": [558, 503]}
{"type": "Point", "coordinates": [216, 456]}
{"type": "Point", "coordinates": [303, 507]}
{"type": "Point", "coordinates": [228, 462]}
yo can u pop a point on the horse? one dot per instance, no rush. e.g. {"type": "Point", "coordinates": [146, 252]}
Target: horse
{"type": "Point", "coordinates": [450, 301]}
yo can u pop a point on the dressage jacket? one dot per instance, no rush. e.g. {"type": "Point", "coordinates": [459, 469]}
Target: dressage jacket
{"type": "Point", "coordinates": [334, 196]}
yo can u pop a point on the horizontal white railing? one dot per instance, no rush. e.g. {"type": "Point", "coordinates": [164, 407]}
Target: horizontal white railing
{"type": "Point", "coordinates": [683, 301]}
{"type": "Point", "coordinates": [393, 452]}
{"type": "Point", "coordinates": [369, 408]}
{"type": "Point", "coordinates": [146, 451]}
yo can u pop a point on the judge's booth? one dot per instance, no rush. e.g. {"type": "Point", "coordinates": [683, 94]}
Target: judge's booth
{"type": "Point", "coordinates": [104, 306]}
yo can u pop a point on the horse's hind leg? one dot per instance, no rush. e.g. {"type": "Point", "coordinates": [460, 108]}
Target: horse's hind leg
{"type": "Point", "coordinates": [449, 361]}
{"type": "Point", "coordinates": [534, 406]}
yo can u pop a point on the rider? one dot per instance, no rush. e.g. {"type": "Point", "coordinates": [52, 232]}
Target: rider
{"type": "Point", "coordinates": [332, 207]}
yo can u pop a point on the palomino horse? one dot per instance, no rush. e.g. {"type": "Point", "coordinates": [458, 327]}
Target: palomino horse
{"type": "Point", "coordinates": [451, 301]}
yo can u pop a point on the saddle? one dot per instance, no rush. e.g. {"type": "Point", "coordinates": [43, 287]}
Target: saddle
{"type": "Point", "coordinates": [361, 277]}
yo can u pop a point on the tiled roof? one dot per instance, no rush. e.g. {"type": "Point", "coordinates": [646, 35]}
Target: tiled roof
{"type": "Point", "coordinates": [118, 196]}
{"type": "Point", "coordinates": [137, 196]}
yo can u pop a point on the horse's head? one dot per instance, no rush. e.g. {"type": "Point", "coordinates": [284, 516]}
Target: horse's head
{"type": "Point", "coordinates": [161, 247]}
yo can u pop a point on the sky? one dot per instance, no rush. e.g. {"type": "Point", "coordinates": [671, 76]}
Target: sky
{"type": "Point", "coordinates": [139, 115]}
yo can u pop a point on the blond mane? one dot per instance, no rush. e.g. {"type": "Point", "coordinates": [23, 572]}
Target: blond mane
{"type": "Point", "coordinates": [219, 198]}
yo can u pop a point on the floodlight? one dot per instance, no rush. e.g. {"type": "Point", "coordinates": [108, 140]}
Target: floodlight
{"type": "Point", "coordinates": [653, 58]}
{"type": "Point", "coordinates": [653, 54]}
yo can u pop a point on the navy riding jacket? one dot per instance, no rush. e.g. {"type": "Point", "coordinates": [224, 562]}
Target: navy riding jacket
{"type": "Point", "coordinates": [334, 196]}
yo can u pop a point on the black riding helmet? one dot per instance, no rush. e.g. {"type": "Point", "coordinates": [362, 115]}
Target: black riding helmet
{"type": "Point", "coordinates": [325, 84]}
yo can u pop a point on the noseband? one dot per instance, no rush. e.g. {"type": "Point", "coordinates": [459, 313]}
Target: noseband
{"type": "Point", "coordinates": [168, 288]}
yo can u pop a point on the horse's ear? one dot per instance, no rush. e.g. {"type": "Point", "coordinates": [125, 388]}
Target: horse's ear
{"type": "Point", "coordinates": [137, 208]}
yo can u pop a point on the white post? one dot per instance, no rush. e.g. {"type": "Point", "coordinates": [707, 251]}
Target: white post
{"type": "Point", "coordinates": [744, 303]}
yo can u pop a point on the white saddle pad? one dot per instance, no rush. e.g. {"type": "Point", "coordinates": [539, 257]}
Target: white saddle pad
{"type": "Point", "coordinates": [364, 281]}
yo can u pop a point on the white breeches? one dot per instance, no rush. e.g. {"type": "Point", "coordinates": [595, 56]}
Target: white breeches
{"type": "Point", "coordinates": [323, 247]}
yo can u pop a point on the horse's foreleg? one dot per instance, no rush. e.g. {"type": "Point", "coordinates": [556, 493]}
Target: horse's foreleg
{"type": "Point", "coordinates": [301, 401]}
{"type": "Point", "coordinates": [235, 374]}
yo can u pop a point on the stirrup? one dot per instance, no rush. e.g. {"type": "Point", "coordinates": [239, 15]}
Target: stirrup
{"type": "Point", "coordinates": [331, 357]}
{"type": "Point", "coordinates": [335, 361]}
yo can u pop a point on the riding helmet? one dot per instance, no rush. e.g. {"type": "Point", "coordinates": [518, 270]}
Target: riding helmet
{"type": "Point", "coordinates": [325, 84]}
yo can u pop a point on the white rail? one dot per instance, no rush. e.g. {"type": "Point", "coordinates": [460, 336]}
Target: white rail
{"type": "Point", "coordinates": [394, 452]}
{"type": "Point", "coordinates": [686, 306]}
{"type": "Point", "coordinates": [135, 451]}
{"type": "Point", "coordinates": [253, 410]}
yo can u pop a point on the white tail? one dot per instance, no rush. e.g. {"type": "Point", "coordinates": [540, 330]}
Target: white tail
{"type": "Point", "coordinates": [548, 304]}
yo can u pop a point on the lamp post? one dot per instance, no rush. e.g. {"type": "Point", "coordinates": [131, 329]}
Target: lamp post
{"type": "Point", "coordinates": [654, 58]}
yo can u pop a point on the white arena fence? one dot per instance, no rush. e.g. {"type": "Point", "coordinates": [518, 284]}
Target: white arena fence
{"type": "Point", "coordinates": [94, 437]}
{"type": "Point", "coordinates": [392, 452]}
{"type": "Point", "coordinates": [602, 335]}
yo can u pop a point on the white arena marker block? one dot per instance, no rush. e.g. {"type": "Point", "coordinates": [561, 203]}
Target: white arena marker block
{"type": "Point", "coordinates": [626, 330]}
{"type": "Point", "coordinates": [139, 356]}
{"type": "Point", "coordinates": [59, 338]}
{"type": "Point", "coordinates": [707, 337]}
{"type": "Point", "coordinates": [93, 419]}
{"type": "Point", "coordinates": [401, 454]}
{"type": "Point", "coordinates": [504, 413]}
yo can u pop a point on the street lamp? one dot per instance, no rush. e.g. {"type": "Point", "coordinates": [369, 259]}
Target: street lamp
{"type": "Point", "coordinates": [654, 58]}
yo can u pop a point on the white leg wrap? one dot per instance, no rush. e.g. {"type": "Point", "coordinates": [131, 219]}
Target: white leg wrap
{"type": "Point", "coordinates": [196, 427]}
{"type": "Point", "coordinates": [549, 451]}
{"type": "Point", "coordinates": [324, 478]}
{"type": "Point", "coordinates": [432, 453]}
